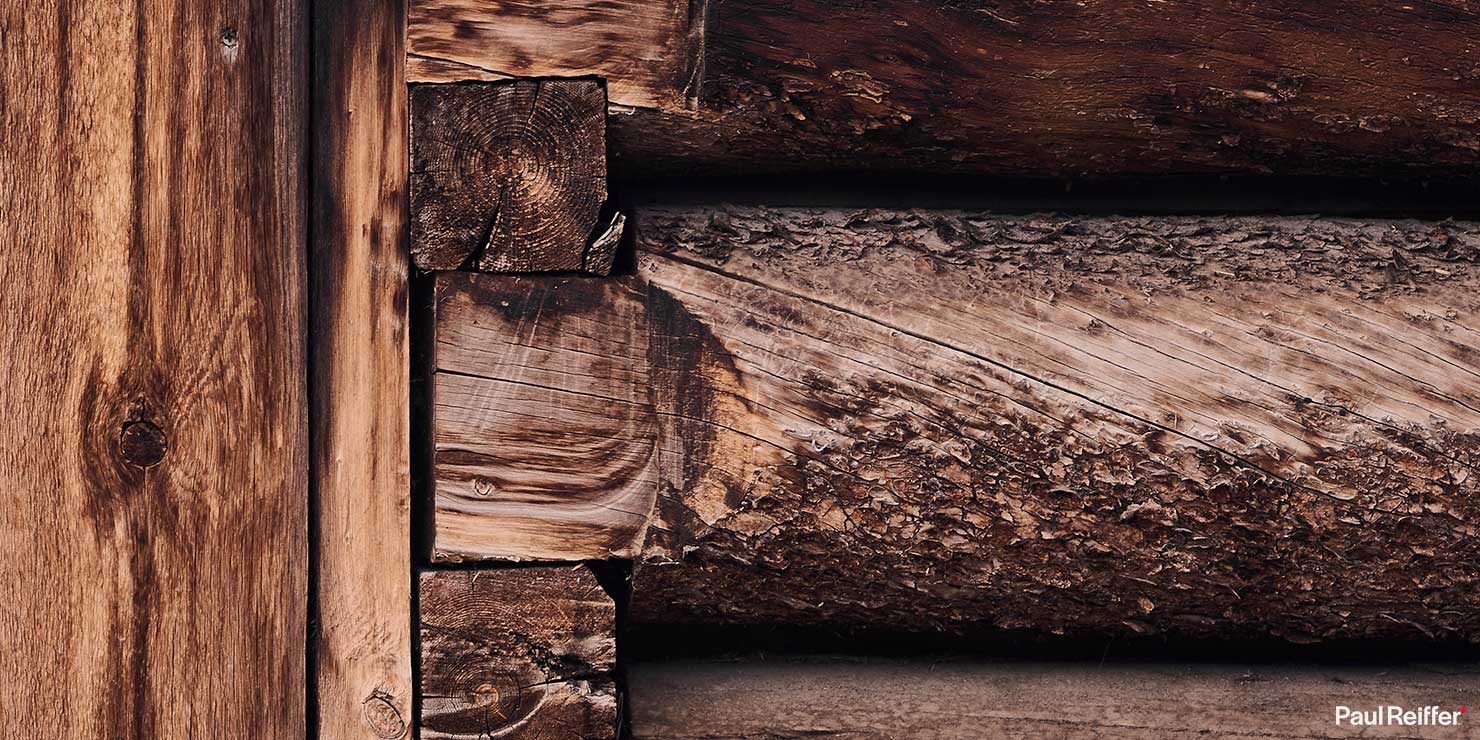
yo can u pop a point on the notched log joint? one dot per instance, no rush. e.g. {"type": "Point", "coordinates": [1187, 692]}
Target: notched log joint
{"type": "Point", "coordinates": [511, 177]}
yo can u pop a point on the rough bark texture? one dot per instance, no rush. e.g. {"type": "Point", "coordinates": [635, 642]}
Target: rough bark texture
{"type": "Point", "coordinates": [905, 700]}
{"type": "Point", "coordinates": [360, 474]}
{"type": "Point", "coordinates": [1110, 88]}
{"type": "Point", "coordinates": [153, 525]}
{"type": "Point", "coordinates": [648, 52]}
{"type": "Point", "coordinates": [950, 421]}
{"type": "Point", "coordinates": [523, 653]}
{"type": "Point", "coordinates": [508, 175]}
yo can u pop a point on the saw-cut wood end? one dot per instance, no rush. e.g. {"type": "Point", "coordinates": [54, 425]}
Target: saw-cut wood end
{"type": "Point", "coordinates": [506, 176]}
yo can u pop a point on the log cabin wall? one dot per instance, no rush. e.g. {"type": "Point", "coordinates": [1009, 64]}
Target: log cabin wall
{"type": "Point", "coordinates": [658, 409]}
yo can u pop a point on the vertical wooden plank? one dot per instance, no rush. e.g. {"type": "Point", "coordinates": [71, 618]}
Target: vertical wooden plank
{"type": "Point", "coordinates": [360, 371]}
{"type": "Point", "coordinates": [153, 452]}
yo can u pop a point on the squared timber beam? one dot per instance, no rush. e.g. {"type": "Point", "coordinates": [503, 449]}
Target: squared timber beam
{"type": "Point", "coordinates": [648, 51]}
{"type": "Point", "coordinates": [518, 654]}
{"type": "Point", "coordinates": [510, 177]}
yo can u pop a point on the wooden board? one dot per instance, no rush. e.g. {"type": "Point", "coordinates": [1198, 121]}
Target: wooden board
{"type": "Point", "coordinates": [153, 532]}
{"type": "Point", "coordinates": [961, 700]}
{"type": "Point", "coordinates": [361, 374]}
{"type": "Point", "coordinates": [648, 52]}
{"type": "Point", "coordinates": [521, 653]}
{"type": "Point", "coordinates": [934, 420]}
{"type": "Point", "coordinates": [508, 176]}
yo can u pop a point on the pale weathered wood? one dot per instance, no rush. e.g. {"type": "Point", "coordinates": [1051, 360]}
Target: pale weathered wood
{"type": "Point", "coordinates": [558, 463]}
{"type": "Point", "coordinates": [153, 527]}
{"type": "Point", "coordinates": [963, 700]}
{"type": "Point", "coordinates": [518, 653]}
{"type": "Point", "coordinates": [360, 474]}
{"type": "Point", "coordinates": [648, 51]}
{"type": "Point", "coordinates": [945, 421]}
{"type": "Point", "coordinates": [511, 175]}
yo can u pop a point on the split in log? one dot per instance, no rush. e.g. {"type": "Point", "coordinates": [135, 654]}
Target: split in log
{"type": "Point", "coordinates": [510, 176]}
{"type": "Point", "coordinates": [517, 653]}
{"type": "Point", "coordinates": [917, 700]}
{"type": "Point", "coordinates": [949, 421]}
{"type": "Point", "coordinates": [648, 52]}
{"type": "Point", "coordinates": [1018, 88]}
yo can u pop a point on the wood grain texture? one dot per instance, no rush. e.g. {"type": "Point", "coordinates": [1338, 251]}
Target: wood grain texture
{"type": "Point", "coordinates": [648, 51]}
{"type": "Point", "coordinates": [962, 700]}
{"type": "Point", "coordinates": [946, 421]}
{"type": "Point", "coordinates": [154, 527]}
{"type": "Point", "coordinates": [360, 454]}
{"type": "Point", "coordinates": [519, 653]}
{"type": "Point", "coordinates": [556, 463]}
{"type": "Point", "coordinates": [510, 176]}
{"type": "Point", "coordinates": [1105, 88]}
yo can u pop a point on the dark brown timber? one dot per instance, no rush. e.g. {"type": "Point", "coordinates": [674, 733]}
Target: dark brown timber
{"type": "Point", "coordinates": [933, 420]}
{"type": "Point", "coordinates": [522, 653]}
{"type": "Point", "coordinates": [153, 521]}
{"type": "Point", "coordinates": [360, 373]}
{"type": "Point", "coordinates": [509, 174]}
{"type": "Point", "coordinates": [1107, 88]}
{"type": "Point", "coordinates": [962, 700]}
{"type": "Point", "coordinates": [1020, 87]}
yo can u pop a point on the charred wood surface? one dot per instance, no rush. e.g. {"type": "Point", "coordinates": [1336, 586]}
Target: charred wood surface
{"type": "Point", "coordinates": [520, 653]}
{"type": "Point", "coordinates": [928, 420]}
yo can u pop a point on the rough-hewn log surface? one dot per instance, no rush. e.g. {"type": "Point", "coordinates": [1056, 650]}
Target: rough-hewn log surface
{"type": "Point", "coordinates": [520, 653]}
{"type": "Point", "coordinates": [360, 472]}
{"type": "Point", "coordinates": [1117, 87]}
{"type": "Point", "coordinates": [153, 455]}
{"type": "Point", "coordinates": [904, 700]}
{"type": "Point", "coordinates": [647, 51]}
{"type": "Point", "coordinates": [945, 421]}
{"type": "Point", "coordinates": [510, 176]}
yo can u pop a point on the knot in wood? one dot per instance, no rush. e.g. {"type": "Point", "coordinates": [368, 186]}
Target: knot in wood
{"type": "Point", "coordinates": [382, 717]}
{"type": "Point", "coordinates": [142, 444]}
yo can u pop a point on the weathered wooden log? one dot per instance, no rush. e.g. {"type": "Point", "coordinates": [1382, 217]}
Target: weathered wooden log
{"type": "Point", "coordinates": [1018, 87]}
{"type": "Point", "coordinates": [648, 51]}
{"type": "Point", "coordinates": [918, 700]}
{"type": "Point", "coordinates": [521, 653]}
{"type": "Point", "coordinates": [508, 175]}
{"type": "Point", "coordinates": [947, 421]}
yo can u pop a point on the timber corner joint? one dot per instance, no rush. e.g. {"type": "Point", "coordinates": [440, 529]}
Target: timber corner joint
{"type": "Point", "coordinates": [511, 177]}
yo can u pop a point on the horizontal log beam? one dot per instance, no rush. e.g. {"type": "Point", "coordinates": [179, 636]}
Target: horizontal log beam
{"type": "Point", "coordinates": [907, 700]}
{"type": "Point", "coordinates": [648, 51]}
{"type": "Point", "coordinates": [1018, 88]}
{"type": "Point", "coordinates": [936, 420]}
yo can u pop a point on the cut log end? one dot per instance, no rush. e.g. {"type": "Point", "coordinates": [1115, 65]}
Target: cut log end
{"type": "Point", "coordinates": [523, 653]}
{"type": "Point", "coordinates": [506, 176]}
